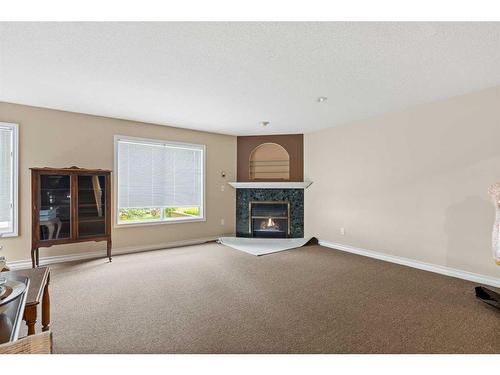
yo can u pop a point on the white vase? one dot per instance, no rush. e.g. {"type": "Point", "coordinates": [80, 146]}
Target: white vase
{"type": "Point", "coordinates": [494, 191]}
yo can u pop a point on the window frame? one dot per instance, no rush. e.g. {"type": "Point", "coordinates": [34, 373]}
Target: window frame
{"type": "Point", "coordinates": [15, 180]}
{"type": "Point", "coordinates": [201, 218]}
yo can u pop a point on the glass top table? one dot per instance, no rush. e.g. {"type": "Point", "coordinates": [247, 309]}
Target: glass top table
{"type": "Point", "coordinates": [11, 318]}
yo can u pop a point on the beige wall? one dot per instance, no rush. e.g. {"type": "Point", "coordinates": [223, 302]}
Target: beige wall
{"type": "Point", "coordinates": [412, 184]}
{"type": "Point", "coordinates": [62, 139]}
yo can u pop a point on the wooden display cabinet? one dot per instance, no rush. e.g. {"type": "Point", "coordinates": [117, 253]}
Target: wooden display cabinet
{"type": "Point", "coordinates": [69, 205]}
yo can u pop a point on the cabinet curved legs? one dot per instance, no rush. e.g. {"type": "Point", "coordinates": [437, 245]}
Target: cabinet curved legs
{"type": "Point", "coordinates": [109, 250]}
{"type": "Point", "coordinates": [34, 257]}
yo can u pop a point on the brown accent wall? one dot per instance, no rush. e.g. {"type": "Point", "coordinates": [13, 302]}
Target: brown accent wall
{"type": "Point", "coordinates": [293, 143]}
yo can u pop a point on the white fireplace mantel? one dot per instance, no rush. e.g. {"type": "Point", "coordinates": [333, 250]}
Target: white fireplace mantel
{"type": "Point", "coordinates": [270, 185]}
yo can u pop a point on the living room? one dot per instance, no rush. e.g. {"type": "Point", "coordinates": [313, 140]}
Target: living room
{"type": "Point", "coordinates": [250, 188]}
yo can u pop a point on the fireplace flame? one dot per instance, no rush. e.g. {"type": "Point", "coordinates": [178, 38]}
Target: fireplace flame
{"type": "Point", "coordinates": [269, 224]}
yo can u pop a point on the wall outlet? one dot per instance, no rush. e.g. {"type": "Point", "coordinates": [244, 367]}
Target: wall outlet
{"type": "Point", "coordinates": [222, 222]}
{"type": "Point", "coordinates": [222, 188]}
{"type": "Point", "coordinates": [342, 231]}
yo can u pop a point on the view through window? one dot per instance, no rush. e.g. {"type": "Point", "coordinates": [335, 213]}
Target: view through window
{"type": "Point", "coordinates": [158, 181]}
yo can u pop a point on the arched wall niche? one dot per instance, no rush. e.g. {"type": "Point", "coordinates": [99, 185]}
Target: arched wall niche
{"type": "Point", "coordinates": [292, 143]}
{"type": "Point", "coordinates": [269, 161]}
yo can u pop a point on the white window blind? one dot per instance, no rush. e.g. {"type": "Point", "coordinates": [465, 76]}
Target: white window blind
{"type": "Point", "coordinates": [8, 179]}
{"type": "Point", "coordinates": [157, 174]}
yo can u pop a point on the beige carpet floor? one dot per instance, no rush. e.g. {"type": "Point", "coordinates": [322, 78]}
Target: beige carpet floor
{"type": "Point", "coordinates": [213, 299]}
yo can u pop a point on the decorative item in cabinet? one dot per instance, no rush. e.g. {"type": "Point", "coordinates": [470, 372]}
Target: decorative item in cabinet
{"type": "Point", "coordinates": [69, 205]}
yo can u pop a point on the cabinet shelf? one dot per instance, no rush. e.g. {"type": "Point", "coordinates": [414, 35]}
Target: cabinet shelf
{"type": "Point", "coordinates": [90, 219]}
{"type": "Point", "coordinates": [270, 217]}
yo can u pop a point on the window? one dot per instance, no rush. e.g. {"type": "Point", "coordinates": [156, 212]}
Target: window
{"type": "Point", "coordinates": [158, 181]}
{"type": "Point", "coordinates": [8, 179]}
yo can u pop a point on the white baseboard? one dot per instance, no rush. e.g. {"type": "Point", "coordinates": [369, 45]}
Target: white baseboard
{"type": "Point", "coordinates": [19, 264]}
{"type": "Point", "coordinates": [453, 272]}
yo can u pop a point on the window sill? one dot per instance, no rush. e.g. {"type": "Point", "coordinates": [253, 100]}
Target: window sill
{"type": "Point", "coordinates": [148, 223]}
{"type": "Point", "coordinates": [10, 234]}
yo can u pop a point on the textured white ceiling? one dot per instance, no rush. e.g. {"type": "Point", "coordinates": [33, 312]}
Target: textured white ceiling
{"type": "Point", "coordinates": [228, 77]}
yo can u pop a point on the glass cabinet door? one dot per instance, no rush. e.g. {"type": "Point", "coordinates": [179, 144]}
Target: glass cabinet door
{"type": "Point", "coordinates": [55, 207]}
{"type": "Point", "coordinates": [91, 205]}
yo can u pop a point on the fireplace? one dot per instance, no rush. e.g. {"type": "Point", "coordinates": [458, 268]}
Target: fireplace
{"type": "Point", "coordinates": [285, 208]}
{"type": "Point", "coordinates": [269, 219]}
